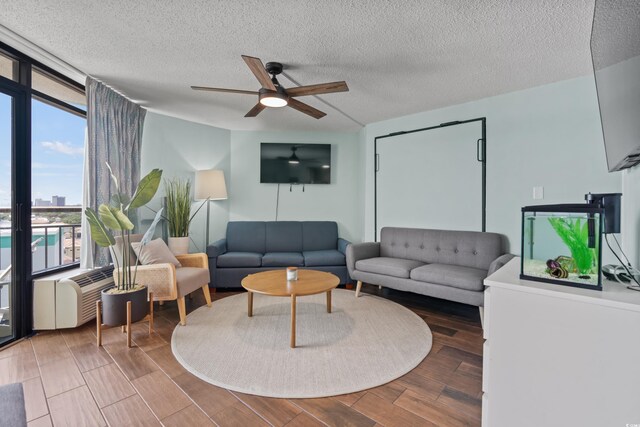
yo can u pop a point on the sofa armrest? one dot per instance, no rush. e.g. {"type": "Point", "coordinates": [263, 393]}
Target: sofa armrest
{"type": "Point", "coordinates": [198, 260]}
{"type": "Point", "coordinates": [360, 251]}
{"type": "Point", "coordinates": [499, 262]}
{"type": "Point", "coordinates": [342, 245]}
{"type": "Point", "coordinates": [217, 248]}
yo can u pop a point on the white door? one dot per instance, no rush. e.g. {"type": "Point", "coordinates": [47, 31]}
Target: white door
{"type": "Point", "coordinates": [430, 179]}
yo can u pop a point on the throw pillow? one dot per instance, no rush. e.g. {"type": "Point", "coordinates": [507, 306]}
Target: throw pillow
{"type": "Point", "coordinates": [155, 252]}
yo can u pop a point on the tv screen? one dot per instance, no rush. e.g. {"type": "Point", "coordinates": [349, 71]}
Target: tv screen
{"type": "Point", "coordinates": [615, 50]}
{"type": "Point", "coordinates": [295, 163]}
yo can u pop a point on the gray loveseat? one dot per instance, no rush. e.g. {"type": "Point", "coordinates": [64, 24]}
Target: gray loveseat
{"type": "Point", "coordinates": [451, 265]}
{"type": "Point", "coordinates": [253, 246]}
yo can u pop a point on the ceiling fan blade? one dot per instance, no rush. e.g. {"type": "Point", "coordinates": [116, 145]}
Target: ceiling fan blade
{"type": "Point", "coordinates": [318, 89]}
{"type": "Point", "coordinates": [258, 70]}
{"type": "Point", "coordinates": [217, 89]}
{"type": "Point", "coordinates": [305, 108]}
{"type": "Point", "coordinates": [255, 110]}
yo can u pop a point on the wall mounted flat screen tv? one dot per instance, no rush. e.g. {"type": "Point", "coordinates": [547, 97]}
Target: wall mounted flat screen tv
{"type": "Point", "coordinates": [615, 50]}
{"type": "Point", "coordinates": [295, 163]}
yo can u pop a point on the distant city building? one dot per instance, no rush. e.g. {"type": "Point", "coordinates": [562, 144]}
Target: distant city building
{"type": "Point", "coordinates": [40, 202]}
{"type": "Point", "coordinates": [58, 200]}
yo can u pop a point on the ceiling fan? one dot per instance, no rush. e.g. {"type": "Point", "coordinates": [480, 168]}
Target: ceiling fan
{"type": "Point", "coordinates": [273, 94]}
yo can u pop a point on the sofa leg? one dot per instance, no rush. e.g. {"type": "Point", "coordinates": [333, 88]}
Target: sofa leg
{"type": "Point", "coordinates": [481, 316]}
{"type": "Point", "coordinates": [348, 285]}
{"type": "Point", "coordinates": [380, 287]}
{"type": "Point", "coordinates": [358, 287]}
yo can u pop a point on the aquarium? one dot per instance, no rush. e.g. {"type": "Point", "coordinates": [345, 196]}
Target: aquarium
{"type": "Point", "coordinates": [562, 244]}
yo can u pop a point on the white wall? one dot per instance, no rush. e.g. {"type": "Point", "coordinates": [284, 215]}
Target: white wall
{"type": "Point", "coordinates": [180, 148]}
{"type": "Point", "coordinates": [546, 136]}
{"type": "Point", "coordinates": [339, 201]}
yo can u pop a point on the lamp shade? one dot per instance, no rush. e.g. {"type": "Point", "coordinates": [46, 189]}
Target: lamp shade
{"type": "Point", "coordinates": [210, 185]}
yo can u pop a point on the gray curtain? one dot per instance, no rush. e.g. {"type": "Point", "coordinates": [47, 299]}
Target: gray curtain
{"type": "Point", "coordinates": [114, 135]}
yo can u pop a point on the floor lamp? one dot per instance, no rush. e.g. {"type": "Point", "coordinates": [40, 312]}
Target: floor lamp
{"type": "Point", "coordinates": [210, 185]}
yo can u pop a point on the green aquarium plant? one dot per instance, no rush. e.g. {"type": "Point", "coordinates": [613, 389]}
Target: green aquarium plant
{"type": "Point", "coordinates": [575, 235]}
{"type": "Point", "coordinates": [114, 218]}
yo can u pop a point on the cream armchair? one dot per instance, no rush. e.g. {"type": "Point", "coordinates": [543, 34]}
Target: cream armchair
{"type": "Point", "coordinates": [169, 283]}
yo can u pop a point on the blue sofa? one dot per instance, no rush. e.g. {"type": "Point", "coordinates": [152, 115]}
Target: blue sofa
{"type": "Point", "coordinates": [253, 246]}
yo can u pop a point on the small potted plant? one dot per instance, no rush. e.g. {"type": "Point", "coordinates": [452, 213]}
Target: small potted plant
{"type": "Point", "coordinates": [114, 219]}
{"type": "Point", "coordinates": [178, 214]}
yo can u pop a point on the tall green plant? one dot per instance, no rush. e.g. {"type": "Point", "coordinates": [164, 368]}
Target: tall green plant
{"type": "Point", "coordinates": [575, 235]}
{"type": "Point", "coordinates": [114, 217]}
{"type": "Point", "coordinates": [178, 215]}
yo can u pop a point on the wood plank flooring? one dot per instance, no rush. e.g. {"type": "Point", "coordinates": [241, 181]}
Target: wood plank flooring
{"type": "Point", "coordinates": [69, 381]}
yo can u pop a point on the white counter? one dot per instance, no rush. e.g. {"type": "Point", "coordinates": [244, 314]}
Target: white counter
{"type": "Point", "coordinates": [556, 355]}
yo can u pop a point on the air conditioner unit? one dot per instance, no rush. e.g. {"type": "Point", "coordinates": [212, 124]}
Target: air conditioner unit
{"type": "Point", "coordinates": [68, 299]}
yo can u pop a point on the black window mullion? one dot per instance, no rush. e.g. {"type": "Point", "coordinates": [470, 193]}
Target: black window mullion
{"type": "Point", "coordinates": [21, 206]}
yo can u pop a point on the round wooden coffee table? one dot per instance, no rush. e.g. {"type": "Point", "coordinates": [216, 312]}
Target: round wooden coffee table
{"type": "Point", "coordinates": [274, 283]}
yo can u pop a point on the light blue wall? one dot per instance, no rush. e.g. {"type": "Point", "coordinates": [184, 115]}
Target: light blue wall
{"type": "Point", "coordinates": [339, 201]}
{"type": "Point", "coordinates": [546, 136]}
{"type": "Point", "coordinates": [180, 148]}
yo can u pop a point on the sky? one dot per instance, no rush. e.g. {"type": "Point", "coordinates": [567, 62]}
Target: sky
{"type": "Point", "coordinates": [57, 153]}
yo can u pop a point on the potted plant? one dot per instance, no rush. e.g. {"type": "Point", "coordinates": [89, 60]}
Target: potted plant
{"type": "Point", "coordinates": [114, 219]}
{"type": "Point", "coordinates": [178, 214]}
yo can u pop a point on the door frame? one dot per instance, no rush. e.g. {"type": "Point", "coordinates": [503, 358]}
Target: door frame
{"type": "Point", "coordinates": [481, 155]}
{"type": "Point", "coordinates": [21, 262]}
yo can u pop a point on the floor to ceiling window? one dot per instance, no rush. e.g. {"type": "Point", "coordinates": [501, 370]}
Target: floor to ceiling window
{"type": "Point", "coordinates": [42, 128]}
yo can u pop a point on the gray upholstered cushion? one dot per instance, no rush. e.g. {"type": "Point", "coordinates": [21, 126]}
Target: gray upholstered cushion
{"type": "Point", "coordinates": [282, 259]}
{"type": "Point", "coordinates": [468, 278]}
{"type": "Point", "coordinates": [116, 250]}
{"type": "Point", "coordinates": [284, 236]}
{"type": "Point", "coordinates": [388, 266]}
{"type": "Point", "coordinates": [326, 257]}
{"type": "Point", "coordinates": [464, 248]}
{"type": "Point", "coordinates": [319, 235]}
{"type": "Point", "coordinates": [191, 278]}
{"type": "Point", "coordinates": [155, 252]}
{"type": "Point", "coordinates": [240, 259]}
{"type": "Point", "coordinates": [246, 236]}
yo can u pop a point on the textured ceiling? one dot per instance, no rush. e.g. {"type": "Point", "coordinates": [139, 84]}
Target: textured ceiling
{"type": "Point", "coordinates": [398, 57]}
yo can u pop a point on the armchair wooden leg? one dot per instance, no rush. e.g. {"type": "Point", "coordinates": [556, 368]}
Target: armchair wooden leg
{"type": "Point", "coordinates": [207, 295]}
{"type": "Point", "coordinates": [358, 287]}
{"type": "Point", "coordinates": [183, 311]}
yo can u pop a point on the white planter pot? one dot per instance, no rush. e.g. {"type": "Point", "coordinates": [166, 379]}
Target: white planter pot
{"type": "Point", "coordinates": [179, 245]}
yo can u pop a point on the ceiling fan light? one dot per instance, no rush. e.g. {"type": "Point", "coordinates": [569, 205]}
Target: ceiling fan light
{"type": "Point", "coordinates": [293, 159]}
{"type": "Point", "coordinates": [273, 99]}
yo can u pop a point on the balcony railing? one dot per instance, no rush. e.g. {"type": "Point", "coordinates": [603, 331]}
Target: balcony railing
{"type": "Point", "coordinates": [54, 244]}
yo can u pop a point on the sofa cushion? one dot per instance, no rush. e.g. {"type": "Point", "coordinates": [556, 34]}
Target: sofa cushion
{"type": "Point", "coordinates": [396, 267]}
{"type": "Point", "coordinates": [284, 236]}
{"type": "Point", "coordinates": [191, 278]}
{"type": "Point", "coordinates": [319, 235]}
{"type": "Point", "coordinates": [282, 259]}
{"type": "Point", "coordinates": [240, 259]}
{"type": "Point", "coordinates": [468, 278]}
{"type": "Point", "coordinates": [326, 257]}
{"type": "Point", "coordinates": [246, 236]}
{"type": "Point", "coordinates": [465, 248]}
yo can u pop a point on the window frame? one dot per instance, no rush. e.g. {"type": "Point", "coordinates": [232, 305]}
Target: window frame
{"type": "Point", "coordinates": [23, 93]}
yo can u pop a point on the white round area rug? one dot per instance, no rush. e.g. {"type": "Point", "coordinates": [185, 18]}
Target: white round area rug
{"type": "Point", "coordinates": [365, 342]}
